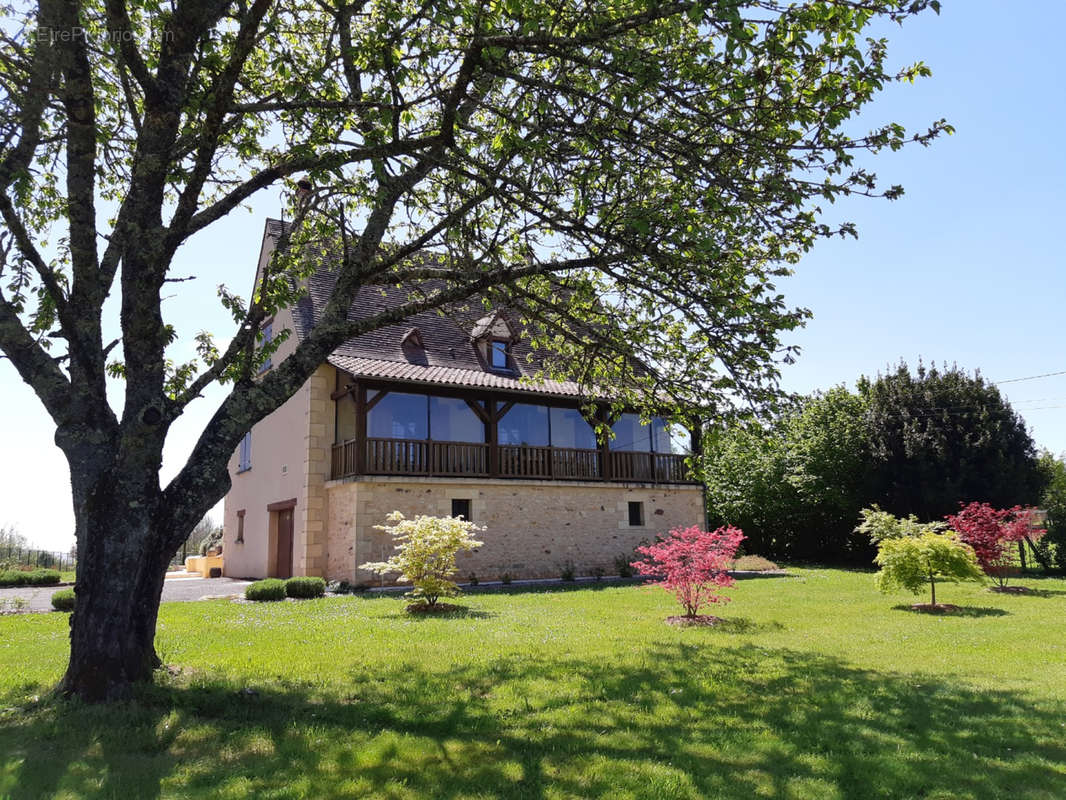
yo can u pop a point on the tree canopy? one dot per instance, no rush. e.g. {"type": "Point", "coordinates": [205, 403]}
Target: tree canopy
{"type": "Point", "coordinates": [647, 169]}
{"type": "Point", "coordinates": [913, 444]}
{"type": "Point", "coordinates": [941, 437]}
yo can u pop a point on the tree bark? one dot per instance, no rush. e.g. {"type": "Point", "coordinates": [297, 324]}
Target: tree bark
{"type": "Point", "coordinates": [122, 560]}
{"type": "Point", "coordinates": [112, 637]}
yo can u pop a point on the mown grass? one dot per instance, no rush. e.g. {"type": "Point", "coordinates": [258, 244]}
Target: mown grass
{"type": "Point", "coordinates": [817, 687]}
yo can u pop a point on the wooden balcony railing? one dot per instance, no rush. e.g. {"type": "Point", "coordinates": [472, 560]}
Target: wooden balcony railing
{"type": "Point", "coordinates": [420, 457]}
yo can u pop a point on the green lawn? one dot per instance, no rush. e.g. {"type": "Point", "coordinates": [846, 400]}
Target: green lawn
{"type": "Point", "coordinates": [817, 688]}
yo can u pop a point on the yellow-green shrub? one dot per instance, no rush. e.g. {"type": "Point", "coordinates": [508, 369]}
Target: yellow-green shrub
{"type": "Point", "coordinates": [427, 547]}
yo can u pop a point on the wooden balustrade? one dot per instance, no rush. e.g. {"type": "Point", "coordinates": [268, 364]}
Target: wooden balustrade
{"type": "Point", "coordinates": [420, 457]}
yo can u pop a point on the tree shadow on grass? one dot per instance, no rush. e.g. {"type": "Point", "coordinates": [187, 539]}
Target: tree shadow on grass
{"type": "Point", "coordinates": [1042, 593]}
{"type": "Point", "coordinates": [454, 612]}
{"type": "Point", "coordinates": [673, 720]}
{"type": "Point", "coordinates": [736, 625]}
{"type": "Point", "coordinates": [958, 611]}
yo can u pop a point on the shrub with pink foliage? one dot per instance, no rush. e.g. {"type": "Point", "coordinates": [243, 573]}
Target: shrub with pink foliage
{"type": "Point", "coordinates": [992, 533]}
{"type": "Point", "coordinates": [692, 563]}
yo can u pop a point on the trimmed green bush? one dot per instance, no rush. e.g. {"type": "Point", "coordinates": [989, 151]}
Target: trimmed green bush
{"type": "Point", "coordinates": [63, 600]}
{"type": "Point", "coordinates": [266, 590]}
{"type": "Point", "coordinates": [304, 587]}
{"type": "Point", "coordinates": [44, 577]}
{"type": "Point", "coordinates": [37, 577]}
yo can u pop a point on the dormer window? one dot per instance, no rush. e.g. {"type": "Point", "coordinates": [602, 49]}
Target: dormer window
{"type": "Point", "coordinates": [494, 337]}
{"type": "Point", "coordinates": [500, 354]}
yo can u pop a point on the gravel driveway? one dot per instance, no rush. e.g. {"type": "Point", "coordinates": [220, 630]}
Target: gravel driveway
{"type": "Point", "coordinates": [181, 590]}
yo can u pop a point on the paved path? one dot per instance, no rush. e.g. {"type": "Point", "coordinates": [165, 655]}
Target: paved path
{"type": "Point", "coordinates": [39, 598]}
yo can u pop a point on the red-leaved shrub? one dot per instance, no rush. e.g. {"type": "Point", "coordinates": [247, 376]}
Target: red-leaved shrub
{"type": "Point", "coordinates": [692, 563]}
{"type": "Point", "coordinates": [992, 533]}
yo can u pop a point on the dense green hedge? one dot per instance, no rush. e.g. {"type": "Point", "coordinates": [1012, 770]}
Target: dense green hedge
{"type": "Point", "coordinates": [917, 443]}
{"type": "Point", "coordinates": [37, 577]}
{"type": "Point", "coordinates": [63, 600]}
{"type": "Point", "coordinates": [266, 590]}
{"type": "Point", "coordinates": [304, 587]}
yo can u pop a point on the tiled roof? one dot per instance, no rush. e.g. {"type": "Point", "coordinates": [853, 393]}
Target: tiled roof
{"type": "Point", "coordinates": [447, 354]}
{"type": "Point", "coordinates": [449, 376]}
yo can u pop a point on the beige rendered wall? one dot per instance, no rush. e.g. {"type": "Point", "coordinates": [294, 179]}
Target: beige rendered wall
{"type": "Point", "coordinates": [532, 527]}
{"type": "Point", "coordinates": [278, 473]}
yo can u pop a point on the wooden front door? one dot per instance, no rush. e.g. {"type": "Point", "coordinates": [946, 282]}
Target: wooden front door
{"type": "Point", "coordinates": [284, 561]}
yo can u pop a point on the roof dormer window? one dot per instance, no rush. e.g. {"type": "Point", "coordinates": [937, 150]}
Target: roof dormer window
{"type": "Point", "coordinates": [500, 354]}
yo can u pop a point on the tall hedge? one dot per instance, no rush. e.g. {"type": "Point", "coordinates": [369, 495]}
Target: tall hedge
{"type": "Point", "coordinates": [912, 443]}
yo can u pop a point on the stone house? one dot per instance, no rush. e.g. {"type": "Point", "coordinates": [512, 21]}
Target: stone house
{"type": "Point", "coordinates": [433, 417]}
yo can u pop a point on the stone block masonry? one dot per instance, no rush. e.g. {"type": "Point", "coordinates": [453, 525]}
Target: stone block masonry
{"type": "Point", "coordinates": [532, 528]}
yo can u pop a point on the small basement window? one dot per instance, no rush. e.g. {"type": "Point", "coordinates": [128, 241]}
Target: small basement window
{"type": "Point", "coordinates": [461, 508]}
{"type": "Point", "coordinates": [636, 514]}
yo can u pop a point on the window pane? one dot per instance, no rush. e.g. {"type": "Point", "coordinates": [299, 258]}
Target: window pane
{"type": "Point", "coordinates": [499, 355]}
{"type": "Point", "coordinates": [524, 424]}
{"type": "Point", "coordinates": [630, 435]}
{"type": "Point", "coordinates": [569, 429]}
{"type": "Point", "coordinates": [452, 420]}
{"type": "Point", "coordinates": [398, 416]}
{"type": "Point", "coordinates": [660, 435]}
{"type": "Point", "coordinates": [345, 419]}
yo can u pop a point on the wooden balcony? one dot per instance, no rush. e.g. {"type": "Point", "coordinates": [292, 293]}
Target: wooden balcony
{"type": "Point", "coordinates": [425, 458]}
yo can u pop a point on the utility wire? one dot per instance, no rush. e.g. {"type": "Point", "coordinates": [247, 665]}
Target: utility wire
{"type": "Point", "coordinates": [1032, 377]}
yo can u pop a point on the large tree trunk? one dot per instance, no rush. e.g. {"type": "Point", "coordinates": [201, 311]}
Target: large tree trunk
{"type": "Point", "coordinates": [112, 637]}
{"type": "Point", "coordinates": [122, 560]}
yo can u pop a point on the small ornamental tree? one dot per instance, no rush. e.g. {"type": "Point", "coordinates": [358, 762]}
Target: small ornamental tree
{"type": "Point", "coordinates": [911, 562]}
{"type": "Point", "coordinates": [879, 525]}
{"type": "Point", "coordinates": [993, 533]}
{"type": "Point", "coordinates": [427, 547]}
{"type": "Point", "coordinates": [692, 563]}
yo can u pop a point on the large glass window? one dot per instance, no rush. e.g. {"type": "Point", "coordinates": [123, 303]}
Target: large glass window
{"type": "Point", "coordinates": [345, 418]}
{"type": "Point", "coordinates": [660, 435]}
{"type": "Point", "coordinates": [630, 435]}
{"type": "Point", "coordinates": [524, 424]}
{"type": "Point", "coordinates": [452, 420]}
{"type": "Point", "coordinates": [399, 416]}
{"type": "Point", "coordinates": [569, 429]}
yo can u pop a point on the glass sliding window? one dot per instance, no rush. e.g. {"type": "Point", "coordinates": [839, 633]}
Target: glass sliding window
{"type": "Point", "coordinates": [452, 420]}
{"type": "Point", "coordinates": [524, 424]}
{"type": "Point", "coordinates": [630, 435]}
{"type": "Point", "coordinates": [569, 429]}
{"type": "Point", "coordinates": [660, 435]}
{"type": "Point", "coordinates": [345, 418]}
{"type": "Point", "coordinates": [399, 416]}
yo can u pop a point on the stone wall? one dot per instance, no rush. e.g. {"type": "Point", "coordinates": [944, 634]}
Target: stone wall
{"type": "Point", "coordinates": [533, 528]}
{"type": "Point", "coordinates": [310, 553]}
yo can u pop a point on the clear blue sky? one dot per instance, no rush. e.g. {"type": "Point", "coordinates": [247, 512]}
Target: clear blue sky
{"type": "Point", "coordinates": [965, 268]}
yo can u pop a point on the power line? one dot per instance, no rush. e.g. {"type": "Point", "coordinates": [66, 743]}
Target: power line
{"type": "Point", "coordinates": [1032, 377]}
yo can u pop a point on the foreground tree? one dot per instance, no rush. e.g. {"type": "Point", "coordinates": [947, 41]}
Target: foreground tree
{"type": "Point", "coordinates": [878, 525]}
{"type": "Point", "coordinates": [912, 562]}
{"type": "Point", "coordinates": [993, 533]}
{"type": "Point", "coordinates": [693, 564]}
{"type": "Point", "coordinates": [647, 169]}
